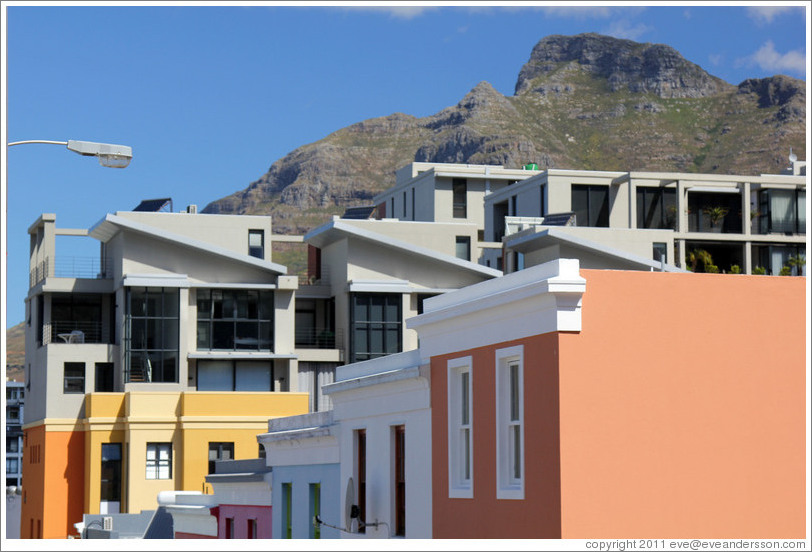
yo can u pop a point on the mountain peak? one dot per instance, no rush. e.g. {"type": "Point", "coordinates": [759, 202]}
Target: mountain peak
{"type": "Point", "coordinates": [624, 64]}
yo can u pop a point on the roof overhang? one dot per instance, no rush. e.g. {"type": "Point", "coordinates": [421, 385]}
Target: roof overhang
{"type": "Point", "coordinates": [336, 230]}
{"type": "Point", "coordinates": [110, 225]}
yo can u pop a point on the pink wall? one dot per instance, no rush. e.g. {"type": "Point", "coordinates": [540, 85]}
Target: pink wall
{"type": "Point", "coordinates": [241, 514]}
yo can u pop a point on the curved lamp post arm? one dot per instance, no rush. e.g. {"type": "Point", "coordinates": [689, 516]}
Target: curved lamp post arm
{"type": "Point", "coordinates": [110, 155]}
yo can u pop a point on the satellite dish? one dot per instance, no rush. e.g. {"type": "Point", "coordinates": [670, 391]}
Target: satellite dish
{"type": "Point", "coordinates": [792, 157]}
{"type": "Point", "coordinates": [349, 502]}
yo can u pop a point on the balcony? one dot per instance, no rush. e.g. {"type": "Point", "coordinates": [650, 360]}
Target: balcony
{"type": "Point", "coordinates": [309, 338]}
{"type": "Point", "coordinates": [68, 331]}
{"type": "Point", "coordinates": [71, 267]}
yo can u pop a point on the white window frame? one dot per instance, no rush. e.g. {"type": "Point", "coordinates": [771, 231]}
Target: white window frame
{"type": "Point", "coordinates": [508, 486]}
{"type": "Point", "coordinates": [159, 461]}
{"type": "Point", "coordinates": [458, 485]}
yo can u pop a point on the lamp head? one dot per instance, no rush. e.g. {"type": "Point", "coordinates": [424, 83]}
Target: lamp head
{"type": "Point", "coordinates": [110, 155]}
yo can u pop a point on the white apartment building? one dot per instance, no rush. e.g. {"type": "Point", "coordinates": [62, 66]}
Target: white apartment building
{"type": "Point", "coordinates": [15, 408]}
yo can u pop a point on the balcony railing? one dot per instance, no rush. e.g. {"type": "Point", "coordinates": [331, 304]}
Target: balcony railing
{"type": "Point", "coordinates": [318, 339]}
{"type": "Point", "coordinates": [322, 280]}
{"type": "Point", "coordinates": [72, 332]}
{"type": "Point", "coordinates": [70, 267]}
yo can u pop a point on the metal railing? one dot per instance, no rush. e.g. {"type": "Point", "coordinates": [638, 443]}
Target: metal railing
{"type": "Point", "coordinates": [71, 267]}
{"type": "Point", "coordinates": [323, 280]}
{"type": "Point", "coordinates": [67, 331]}
{"type": "Point", "coordinates": [318, 339]}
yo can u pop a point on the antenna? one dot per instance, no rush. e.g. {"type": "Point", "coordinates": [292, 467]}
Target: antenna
{"type": "Point", "coordinates": [792, 157]}
{"type": "Point", "coordinates": [349, 506]}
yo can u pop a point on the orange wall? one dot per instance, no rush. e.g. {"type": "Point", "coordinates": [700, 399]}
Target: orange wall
{"type": "Point", "coordinates": [539, 515]}
{"type": "Point", "coordinates": [54, 486]}
{"type": "Point", "coordinates": [683, 407]}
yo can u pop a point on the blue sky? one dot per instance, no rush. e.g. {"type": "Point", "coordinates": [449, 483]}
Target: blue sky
{"type": "Point", "coordinates": [209, 97]}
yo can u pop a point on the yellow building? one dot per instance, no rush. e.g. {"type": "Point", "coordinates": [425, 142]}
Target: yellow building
{"type": "Point", "coordinates": [166, 440]}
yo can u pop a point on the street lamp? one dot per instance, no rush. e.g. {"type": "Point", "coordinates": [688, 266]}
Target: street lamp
{"type": "Point", "coordinates": [110, 155]}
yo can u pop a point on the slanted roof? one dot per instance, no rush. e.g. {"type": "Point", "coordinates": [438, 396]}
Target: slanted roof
{"type": "Point", "coordinates": [557, 235]}
{"type": "Point", "coordinates": [110, 225]}
{"type": "Point", "coordinates": [336, 230]}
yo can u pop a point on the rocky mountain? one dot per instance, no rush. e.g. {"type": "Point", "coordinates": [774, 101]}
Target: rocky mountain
{"type": "Point", "coordinates": [581, 102]}
{"type": "Point", "coordinates": [15, 352]}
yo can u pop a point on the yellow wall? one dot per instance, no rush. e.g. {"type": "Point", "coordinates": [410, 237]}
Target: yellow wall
{"type": "Point", "coordinates": [190, 421]}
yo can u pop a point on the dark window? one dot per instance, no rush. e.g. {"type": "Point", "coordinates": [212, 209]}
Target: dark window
{"type": "Point", "coordinates": [404, 205]}
{"type": "Point", "coordinates": [660, 252]}
{"type": "Point", "coordinates": [459, 189]}
{"type": "Point", "coordinates": [400, 480]}
{"type": "Point", "coordinates": [782, 211]}
{"type": "Point", "coordinates": [361, 473]}
{"type": "Point", "coordinates": [234, 375]}
{"type": "Point", "coordinates": [230, 528]}
{"type": "Point", "coordinates": [315, 509]}
{"type": "Point", "coordinates": [714, 212]}
{"type": "Point", "coordinates": [233, 320]}
{"type": "Point", "coordinates": [392, 208]}
{"type": "Point", "coordinates": [220, 451]}
{"type": "Point", "coordinates": [256, 243]}
{"type": "Point", "coordinates": [500, 211]}
{"type": "Point", "coordinates": [74, 381]}
{"type": "Point", "coordinates": [463, 250]}
{"type": "Point", "coordinates": [413, 211]}
{"type": "Point", "coordinates": [104, 377]}
{"type": "Point", "coordinates": [287, 513]}
{"type": "Point", "coordinates": [513, 206]}
{"type": "Point", "coordinates": [152, 335]}
{"type": "Point", "coordinates": [590, 205]}
{"type": "Point", "coordinates": [376, 325]}
{"type": "Point", "coordinates": [542, 201]}
{"type": "Point", "coordinates": [111, 472]}
{"type": "Point", "coordinates": [657, 208]}
{"type": "Point", "coordinates": [77, 312]}
{"type": "Point", "coordinates": [251, 529]}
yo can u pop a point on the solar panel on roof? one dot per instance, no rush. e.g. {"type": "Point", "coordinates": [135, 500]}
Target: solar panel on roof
{"type": "Point", "coordinates": [559, 219]}
{"type": "Point", "coordinates": [359, 213]}
{"type": "Point", "coordinates": [154, 205]}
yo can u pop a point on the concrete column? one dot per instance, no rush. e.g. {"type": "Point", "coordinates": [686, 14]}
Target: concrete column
{"type": "Point", "coordinates": [632, 204]}
{"type": "Point", "coordinates": [682, 208]}
{"type": "Point", "coordinates": [748, 255]}
{"type": "Point", "coordinates": [746, 225]}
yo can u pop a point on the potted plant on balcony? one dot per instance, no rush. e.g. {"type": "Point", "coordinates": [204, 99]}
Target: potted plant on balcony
{"type": "Point", "coordinates": [715, 215]}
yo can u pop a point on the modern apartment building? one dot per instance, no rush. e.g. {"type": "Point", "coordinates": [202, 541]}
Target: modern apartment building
{"type": "Point", "coordinates": [564, 406]}
{"type": "Point", "coordinates": [446, 192]}
{"type": "Point", "coordinates": [167, 352]}
{"type": "Point", "coordinates": [15, 408]}
{"type": "Point", "coordinates": [372, 275]}
{"type": "Point", "coordinates": [700, 222]}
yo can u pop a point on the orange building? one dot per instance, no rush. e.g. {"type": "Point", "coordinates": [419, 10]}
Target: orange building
{"type": "Point", "coordinates": [585, 404]}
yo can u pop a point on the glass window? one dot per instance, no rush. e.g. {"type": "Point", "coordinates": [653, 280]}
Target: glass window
{"type": "Point", "coordinates": [590, 205]}
{"type": "Point", "coordinates": [459, 190]}
{"type": "Point", "coordinates": [509, 423]}
{"type": "Point", "coordinates": [151, 342]}
{"type": "Point", "coordinates": [159, 461]}
{"type": "Point", "coordinates": [656, 208]}
{"type": "Point", "coordinates": [111, 472]}
{"type": "Point", "coordinates": [230, 528]}
{"type": "Point", "coordinates": [376, 325]}
{"type": "Point", "coordinates": [220, 451]}
{"type": "Point", "coordinates": [782, 211]}
{"type": "Point", "coordinates": [256, 243]}
{"type": "Point", "coordinates": [251, 529]}
{"type": "Point", "coordinates": [234, 320]}
{"type": "Point", "coordinates": [464, 248]}
{"type": "Point", "coordinates": [660, 252]}
{"type": "Point", "coordinates": [74, 379]}
{"type": "Point", "coordinates": [460, 429]}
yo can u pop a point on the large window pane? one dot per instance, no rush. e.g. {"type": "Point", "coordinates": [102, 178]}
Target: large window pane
{"type": "Point", "coordinates": [240, 319]}
{"type": "Point", "coordinates": [151, 346]}
{"type": "Point", "coordinates": [376, 325]}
